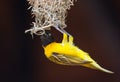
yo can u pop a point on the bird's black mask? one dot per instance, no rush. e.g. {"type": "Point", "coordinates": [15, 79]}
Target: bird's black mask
{"type": "Point", "coordinates": [46, 38]}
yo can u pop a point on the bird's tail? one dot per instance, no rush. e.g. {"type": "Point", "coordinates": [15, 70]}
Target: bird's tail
{"type": "Point", "coordinates": [96, 66]}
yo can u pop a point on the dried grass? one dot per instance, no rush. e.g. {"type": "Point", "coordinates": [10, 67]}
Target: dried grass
{"type": "Point", "coordinates": [49, 13]}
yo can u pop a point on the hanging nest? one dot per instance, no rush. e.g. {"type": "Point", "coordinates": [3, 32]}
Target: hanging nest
{"type": "Point", "coordinates": [49, 13]}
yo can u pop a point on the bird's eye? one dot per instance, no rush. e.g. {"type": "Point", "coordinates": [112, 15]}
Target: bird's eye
{"type": "Point", "coordinates": [49, 34]}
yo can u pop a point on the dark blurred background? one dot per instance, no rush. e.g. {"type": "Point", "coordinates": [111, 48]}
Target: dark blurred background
{"type": "Point", "coordinates": [95, 24]}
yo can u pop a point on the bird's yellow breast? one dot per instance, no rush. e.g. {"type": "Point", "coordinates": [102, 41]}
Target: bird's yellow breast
{"type": "Point", "coordinates": [63, 49]}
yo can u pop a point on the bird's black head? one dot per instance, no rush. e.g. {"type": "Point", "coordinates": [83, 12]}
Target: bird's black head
{"type": "Point", "coordinates": [46, 38]}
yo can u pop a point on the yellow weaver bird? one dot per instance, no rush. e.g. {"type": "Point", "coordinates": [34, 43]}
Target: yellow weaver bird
{"type": "Point", "coordinates": [66, 53]}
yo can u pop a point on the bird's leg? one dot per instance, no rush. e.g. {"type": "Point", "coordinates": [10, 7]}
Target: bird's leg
{"type": "Point", "coordinates": [71, 39]}
{"type": "Point", "coordinates": [65, 35]}
{"type": "Point", "coordinates": [65, 40]}
{"type": "Point", "coordinates": [61, 30]}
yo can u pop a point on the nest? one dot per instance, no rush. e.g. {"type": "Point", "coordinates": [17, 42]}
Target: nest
{"type": "Point", "coordinates": [49, 13]}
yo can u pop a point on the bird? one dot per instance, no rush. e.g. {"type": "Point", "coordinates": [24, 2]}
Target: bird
{"type": "Point", "coordinates": [67, 53]}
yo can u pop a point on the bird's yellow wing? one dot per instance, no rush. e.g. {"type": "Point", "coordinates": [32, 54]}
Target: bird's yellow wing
{"type": "Point", "coordinates": [72, 60]}
{"type": "Point", "coordinates": [67, 59]}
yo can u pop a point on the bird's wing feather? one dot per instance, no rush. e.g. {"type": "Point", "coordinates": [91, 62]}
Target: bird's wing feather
{"type": "Point", "coordinates": [67, 60]}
